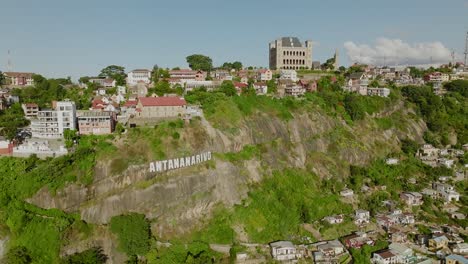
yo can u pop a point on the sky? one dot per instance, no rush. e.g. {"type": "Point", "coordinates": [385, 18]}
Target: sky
{"type": "Point", "coordinates": [59, 38]}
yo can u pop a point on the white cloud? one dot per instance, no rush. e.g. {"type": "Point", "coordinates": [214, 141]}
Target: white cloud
{"type": "Point", "coordinates": [396, 51]}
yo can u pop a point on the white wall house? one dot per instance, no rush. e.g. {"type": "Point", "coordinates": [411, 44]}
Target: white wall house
{"type": "Point", "coordinates": [288, 75]}
{"type": "Point", "coordinates": [139, 75]}
{"type": "Point", "coordinates": [284, 250]}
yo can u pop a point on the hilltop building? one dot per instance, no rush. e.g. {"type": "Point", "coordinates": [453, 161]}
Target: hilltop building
{"type": "Point", "coordinates": [139, 75]}
{"type": "Point", "coordinates": [19, 78]}
{"type": "Point", "coordinates": [290, 53]}
{"type": "Point", "coordinates": [53, 123]}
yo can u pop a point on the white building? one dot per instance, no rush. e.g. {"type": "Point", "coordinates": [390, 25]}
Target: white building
{"type": "Point", "coordinates": [284, 251]}
{"type": "Point", "coordinates": [264, 75]}
{"type": "Point", "coordinates": [288, 75]}
{"type": "Point", "coordinates": [361, 217]}
{"type": "Point", "coordinates": [294, 90]}
{"type": "Point", "coordinates": [139, 75]}
{"type": "Point", "coordinates": [382, 92]}
{"type": "Point", "coordinates": [53, 123]}
{"type": "Point", "coordinates": [347, 193]}
{"type": "Point", "coordinates": [391, 161]}
{"type": "Point", "coordinates": [40, 147]}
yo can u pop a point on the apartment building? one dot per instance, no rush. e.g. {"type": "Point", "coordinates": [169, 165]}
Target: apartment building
{"type": "Point", "coordinates": [95, 122]}
{"type": "Point", "coordinates": [30, 110]}
{"type": "Point", "coordinates": [290, 53]}
{"type": "Point", "coordinates": [52, 123]}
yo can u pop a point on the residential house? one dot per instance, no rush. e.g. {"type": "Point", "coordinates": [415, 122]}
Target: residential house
{"type": "Point", "coordinates": [104, 82]}
{"type": "Point", "coordinates": [19, 78]}
{"type": "Point", "coordinates": [438, 242]}
{"type": "Point", "coordinates": [294, 90]}
{"type": "Point", "coordinates": [160, 107]}
{"type": "Point", "coordinates": [382, 92]}
{"type": "Point", "coordinates": [261, 88]}
{"type": "Point", "coordinates": [6, 147]}
{"type": "Point", "coordinates": [461, 248]}
{"type": "Point", "coordinates": [412, 198]}
{"type": "Point", "coordinates": [455, 259]}
{"type": "Point", "coordinates": [385, 256]}
{"type": "Point", "coordinates": [361, 217]}
{"type": "Point", "coordinates": [240, 86]}
{"type": "Point", "coordinates": [30, 110]}
{"type": "Point", "coordinates": [357, 240]}
{"type": "Point", "coordinates": [334, 219]}
{"type": "Point", "coordinates": [52, 123]}
{"type": "Point", "coordinates": [221, 75]}
{"type": "Point", "coordinates": [437, 77]}
{"type": "Point", "coordinates": [139, 76]}
{"type": "Point", "coordinates": [264, 75]}
{"type": "Point", "coordinates": [328, 251]}
{"type": "Point", "coordinates": [404, 254]}
{"type": "Point", "coordinates": [357, 82]}
{"type": "Point", "coordinates": [187, 74]}
{"type": "Point", "coordinates": [347, 193]}
{"type": "Point", "coordinates": [284, 251]}
{"type": "Point", "coordinates": [95, 122]}
{"type": "Point", "coordinates": [288, 75]}
{"type": "Point", "coordinates": [41, 147]}
{"type": "Point", "coordinates": [445, 162]}
{"type": "Point", "coordinates": [392, 161]}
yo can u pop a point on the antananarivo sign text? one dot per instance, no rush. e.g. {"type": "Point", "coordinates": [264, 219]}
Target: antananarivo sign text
{"type": "Point", "coordinates": [171, 164]}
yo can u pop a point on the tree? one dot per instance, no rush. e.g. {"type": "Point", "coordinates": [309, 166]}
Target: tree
{"type": "Point", "coordinates": [200, 62]}
{"type": "Point", "coordinates": [115, 72]}
{"type": "Point", "coordinates": [90, 256]}
{"type": "Point", "coordinates": [329, 64]}
{"type": "Point", "coordinates": [84, 80]}
{"type": "Point", "coordinates": [374, 83]}
{"type": "Point", "coordinates": [133, 231]}
{"type": "Point", "coordinates": [237, 65]}
{"type": "Point", "coordinates": [272, 88]}
{"type": "Point", "coordinates": [228, 88]}
{"type": "Point", "coordinates": [18, 255]}
{"type": "Point", "coordinates": [2, 78]}
{"type": "Point", "coordinates": [155, 74]}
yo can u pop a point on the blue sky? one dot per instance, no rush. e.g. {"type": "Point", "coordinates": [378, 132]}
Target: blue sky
{"type": "Point", "coordinates": [74, 38]}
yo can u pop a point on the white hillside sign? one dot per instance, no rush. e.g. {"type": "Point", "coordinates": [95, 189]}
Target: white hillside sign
{"type": "Point", "coordinates": [172, 164]}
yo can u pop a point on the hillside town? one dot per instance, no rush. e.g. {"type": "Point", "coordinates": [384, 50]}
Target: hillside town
{"type": "Point", "coordinates": [116, 101]}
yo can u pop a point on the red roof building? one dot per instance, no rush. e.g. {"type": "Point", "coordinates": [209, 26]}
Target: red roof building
{"type": "Point", "coordinates": [160, 107]}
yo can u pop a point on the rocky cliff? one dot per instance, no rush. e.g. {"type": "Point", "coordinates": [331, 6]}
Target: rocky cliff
{"type": "Point", "coordinates": [178, 199]}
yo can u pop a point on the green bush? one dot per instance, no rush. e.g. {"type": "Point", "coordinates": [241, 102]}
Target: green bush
{"type": "Point", "coordinates": [133, 232]}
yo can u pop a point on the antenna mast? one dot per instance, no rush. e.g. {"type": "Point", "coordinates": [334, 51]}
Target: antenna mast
{"type": "Point", "coordinates": [466, 49]}
{"type": "Point", "coordinates": [9, 64]}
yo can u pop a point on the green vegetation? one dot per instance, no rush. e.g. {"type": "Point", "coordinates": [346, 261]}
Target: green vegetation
{"type": "Point", "coordinates": [443, 115]}
{"type": "Point", "coordinates": [36, 230]}
{"type": "Point", "coordinates": [133, 232]}
{"type": "Point", "coordinates": [276, 209]}
{"type": "Point", "coordinates": [10, 120]}
{"type": "Point", "coordinates": [363, 255]}
{"type": "Point", "coordinates": [90, 256]}
{"type": "Point", "coordinates": [45, 91]}
{"type": "Point", "coordinates": [114, 72]}
{"type": "Point", "coordinates": [200, 62]}
{"type": "Point", "coordinates": [196, 252]}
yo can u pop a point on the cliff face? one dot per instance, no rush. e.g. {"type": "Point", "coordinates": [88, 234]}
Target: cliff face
{"type": "Point", "coordinates": [178, 199]}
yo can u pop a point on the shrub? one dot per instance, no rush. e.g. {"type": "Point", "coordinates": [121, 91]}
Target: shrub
{"type": "Point", "coordinates": [133, 232]}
